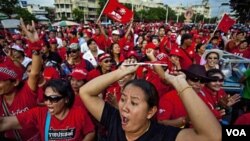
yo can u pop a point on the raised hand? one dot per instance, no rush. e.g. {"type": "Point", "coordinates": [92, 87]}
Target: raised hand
{"type": "Point", "coordinates": [129, 66]}
{"type": "Point", "coordinates": [175, 78]}
{"type": "Point", "coordinates": [30, 31]}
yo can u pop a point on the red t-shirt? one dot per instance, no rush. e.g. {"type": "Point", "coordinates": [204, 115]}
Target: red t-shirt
{"type": "Point", "coordinates": [73, 127]}
{"type": "Point", "coordinates": [126, 45]}
{"type": "Point", "coordinates": [243, 53]}
{"type": "Point", "coordinates": [213, 99]}
{"type": "Point", "coordinates": [62, 52]}
{"type": "Point", "coordinates": [171, 106]}
{"type": "Point", "coordinates": [100, 41]}
{"type": "Point", "coordinates": [93, 74]}
{"type": "Point", "coordinates": [160, 86]}
{"type": "Point", "coordinates": [243, 119]}
{"type": "Point", "coordinates": [164, 44]}
{"type": "Point", "coordinates": [24, 100]}
{"type": "Point", "coordinates": [186, 59]}
{"type": "Point", "coordinates": [197, 58]}
{"type": "Point", "coordinates": [207, 100]}
{"type": "Point", "coordinates": [114, 89]}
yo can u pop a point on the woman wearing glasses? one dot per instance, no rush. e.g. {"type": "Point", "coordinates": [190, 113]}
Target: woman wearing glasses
{"type": "Point", "coordinates": [59, 120]}
{"type": "Point", "coordinates": [214, 95]}
{"type": "Point", "coordinates": [210, 59]}
{"type": "Point", "coordinates": [104, 66]}
{"type": "Point", "coordinates": [133, 120]}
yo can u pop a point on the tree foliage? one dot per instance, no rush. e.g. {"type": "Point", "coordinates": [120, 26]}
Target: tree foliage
{"type": "Point", "coordinates": [8, 6]}
{"type": "Point", "coordinates": [242, 9]}
{"type": "Point", "coordinates": [25, 14]}
{"type": "Point", "coordinates": [51, 13]}
{"type": "Point", "coordinates": [78, 15]}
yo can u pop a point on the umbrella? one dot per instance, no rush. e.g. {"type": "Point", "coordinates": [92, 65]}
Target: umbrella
{"type": "Point", "coordinates": [65, 23]}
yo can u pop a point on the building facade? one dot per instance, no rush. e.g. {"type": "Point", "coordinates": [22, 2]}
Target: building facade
{"type": "Point", "coordinates": [65, 8]}
{"type": "Point", "coordinates": [202, 9]}
{"type": "Point", "coordinates": [143, 4]}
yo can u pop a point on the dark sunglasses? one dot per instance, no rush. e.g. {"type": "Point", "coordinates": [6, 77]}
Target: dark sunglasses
{"type": "Point", "coordinates": [107, 61]}
{"type": "Point", "coordinates": [52, 98]}
{"type": "Point", "coordinates": [195, 80]}
{"type": "Point", "coordinates": [73, 51]}
{"type": "Point", "coordinates": [215, 58]}
{"type": "Point", "coordinates": [217, 79]}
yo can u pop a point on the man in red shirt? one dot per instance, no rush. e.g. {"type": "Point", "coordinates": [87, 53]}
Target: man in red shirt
{"type": "Point", "coordinates": [99, 37]}
{"type": "Point", "coordinates": [187, 58]}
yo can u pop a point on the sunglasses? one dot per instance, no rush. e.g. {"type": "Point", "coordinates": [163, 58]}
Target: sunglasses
{"type": "Point", "coordinates": [107, 61]}
{"type": "Point", "coordinates": [217, 79]}
{"type": "Point", "coordinates": [195, 80]}
{"type": "Point", "coordinates": [210, 58]}
{"type": "Point", "coordinates": [73, 51]}
{"type": "Point", "coordinates": [52, 98]}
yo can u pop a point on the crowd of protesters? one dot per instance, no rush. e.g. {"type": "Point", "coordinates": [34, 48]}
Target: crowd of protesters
{"type": "Point", "coordinates": [140, 81]}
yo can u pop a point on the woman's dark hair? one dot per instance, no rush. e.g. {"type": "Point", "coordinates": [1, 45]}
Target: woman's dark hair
{"type": "Point", "coordinates": [185, 37]}
{"type": "Point", "coordinates": [214, 38]}
{"type": "Point", "coordinates": [198, 47]}
{"type": "Point", "coordinates": [90, 41]}
{"type": "Point", "coordinates": [212, 72]}
{"type": "Point", "coordinates": [149, 90]}
{"type": "Point", "coordinates": [243, 41]}
{"type": "Point", "coordinates": [111, 49]}
{"type": "Point", "coordinates": [63, 88]}
{"type": "Point", "coordinates": [218, 55]}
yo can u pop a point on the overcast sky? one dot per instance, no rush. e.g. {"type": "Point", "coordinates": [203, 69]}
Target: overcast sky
{"type": "Point", "coordinates": [215, 4]}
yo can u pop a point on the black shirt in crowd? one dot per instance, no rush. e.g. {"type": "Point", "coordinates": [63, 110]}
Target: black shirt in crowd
{"type": "Point", "coordinates": [157, 132]}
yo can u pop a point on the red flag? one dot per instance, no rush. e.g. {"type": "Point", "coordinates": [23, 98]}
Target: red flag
{"type": "Point", "coordinates": [118, 12]}
{"type": "Point", "coordinates": [225, 23]}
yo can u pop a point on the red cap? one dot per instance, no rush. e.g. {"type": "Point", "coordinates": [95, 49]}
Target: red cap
{"type": "Point", "coordinates": [53, 41]}
{"type": "Point", "coordinates": [79, 74]}
{"type": "Point", "coordinates": [51, 73]}
{"type": "Point", "coordinates": [133, 53]}
{"type": "Point", "coordinates": [173, 37]}
{"type": "Point", "coordinates": [89, 34]}
{"type": "Point", "coordinates": [196, 36]}
{"type": "Point", "coordinates": [150, 45]}
{"type": "Point", "coordinates": [17, 37]}
{"type": "Point", "coordinates": [176, 52]}
{"type": "Point", "coordinates": [103, 56]}
{"type": "Point", "coordinates": [8, 70]}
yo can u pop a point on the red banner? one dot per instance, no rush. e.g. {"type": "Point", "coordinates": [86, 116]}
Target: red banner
{"type": "Point", "coordinates": [225, 23]}
{"type": "Point", "coordinates": [118, 12]}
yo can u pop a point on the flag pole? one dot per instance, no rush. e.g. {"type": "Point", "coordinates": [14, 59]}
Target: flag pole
{"type": "Point", "coordinates": [102, 10]}
{"type": "Point", "coordinates": [215, 29]}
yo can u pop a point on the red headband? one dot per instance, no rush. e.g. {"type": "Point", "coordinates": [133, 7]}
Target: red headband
{"type": "Point", "coordinates": [104, 56]}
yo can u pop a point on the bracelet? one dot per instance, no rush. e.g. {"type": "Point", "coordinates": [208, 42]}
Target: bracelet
{"type": "Point", "coordinates": [180, 92]}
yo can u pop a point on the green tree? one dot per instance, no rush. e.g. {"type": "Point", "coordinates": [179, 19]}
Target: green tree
{"type": "Point", "coordinates": [242, 10]}
{"type": "Point", "coordinates": [101, 3]}
{"type": "Point", "coordinates": [51, 13]}
{"type": "Point", "coordinates": [25, 14]}
{"type": "Point", "coordinates": [78, 15]}
{"type": "Point", "coordinates": [8, 6]}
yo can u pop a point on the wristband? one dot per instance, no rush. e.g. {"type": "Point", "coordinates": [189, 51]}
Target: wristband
{"type": "Point", "coordinates": [180, 92]}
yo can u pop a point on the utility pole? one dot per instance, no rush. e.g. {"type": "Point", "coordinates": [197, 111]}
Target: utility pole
{"type": "Point", "coordinates": [166, 21]}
